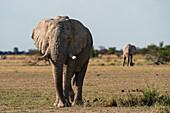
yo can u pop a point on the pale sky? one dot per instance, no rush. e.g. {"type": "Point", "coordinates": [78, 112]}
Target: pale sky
{"type": "Point", "coordinates": [113, 23]}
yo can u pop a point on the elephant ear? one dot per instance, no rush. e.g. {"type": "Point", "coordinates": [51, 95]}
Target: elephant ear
{"type": "Point", "coordinates": [40, 35]}
{"type": "Point", "coordinates": [80, 36]}
{"type": "Point", "coordinates": [126, 49]}
{"type": "Point", "coordinates": [132, 49]}
{"type": "Point", "coordinates": [45, 31]}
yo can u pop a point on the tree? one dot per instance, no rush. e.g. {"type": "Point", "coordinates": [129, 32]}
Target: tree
{"type": "Point", "coordinates": [16, 51]}
{"type": "Point", "coordinates": [93, 52]}
{"type": "Point", "coordinates": [159, 54]}
{"type": "Point", "coordinates": [103, 50]}
{"type": "Point", "coordinates": [112, 50]}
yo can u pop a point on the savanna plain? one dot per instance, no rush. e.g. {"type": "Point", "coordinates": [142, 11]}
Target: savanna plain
{"type": "Point", "coordinates": [26, 86]}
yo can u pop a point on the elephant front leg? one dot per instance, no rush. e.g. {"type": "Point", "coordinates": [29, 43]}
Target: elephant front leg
{"type": "Point", "coordinates": [124, 59]}
{"type": "Point", "coordinates": [131, 57]}
{"type": "Point", "coordinates": [68, 72]}
{"type": "Point", "coordinates": [128, 60]}
{"type": "Point", "coordinates": [57, 101]}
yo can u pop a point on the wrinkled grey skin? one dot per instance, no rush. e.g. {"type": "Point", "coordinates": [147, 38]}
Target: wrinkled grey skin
{"type": "Point", "coordinates": [128, 52]}
{"type": "Point", "coordinates": [67, 44]}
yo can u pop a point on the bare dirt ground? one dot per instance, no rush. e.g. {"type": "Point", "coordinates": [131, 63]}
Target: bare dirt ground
{"type": "Point", "coordinates": [25, 88]}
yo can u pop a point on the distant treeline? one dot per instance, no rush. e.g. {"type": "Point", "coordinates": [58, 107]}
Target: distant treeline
{"type": "Point", "coordinates": [143, 51]}
{"type": "Point", "coordinates": [155, 53]}
{"type": "Point", "coordinates": [17, 52]}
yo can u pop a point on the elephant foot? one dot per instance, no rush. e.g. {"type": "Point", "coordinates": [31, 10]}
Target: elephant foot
{"type": "Point", "coordinates": [78, 102]}
{"type": "Point", "coordinates": [56, 102]}
{"type": "Point", "coordinates": [61, 104]}
{"type": "Point", "coordinates": [67, 104]}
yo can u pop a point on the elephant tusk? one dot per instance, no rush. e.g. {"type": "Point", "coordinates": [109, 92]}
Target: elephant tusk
{"type": "Point", "coordinates": [72, 56]}
{"type": "Point", "coordinates": [43, 57]}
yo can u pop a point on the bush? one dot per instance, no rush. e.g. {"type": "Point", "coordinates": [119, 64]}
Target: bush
{"type": "Point", "coordinates": [101, 64]}
{"type": "Point", "coordinates": [149, 97]}
{"type": "Point", "coordinates": [129, 100]}
{"type": "Point", "coordinates": [158, 54]}
{"type": "Point", "coordinates": [112, 63]}
{"type": "Point", "coordinates": [112, 102]}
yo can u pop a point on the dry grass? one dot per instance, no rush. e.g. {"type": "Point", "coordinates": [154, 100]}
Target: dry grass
{"type": "Point", "coordinates": [30, 88]}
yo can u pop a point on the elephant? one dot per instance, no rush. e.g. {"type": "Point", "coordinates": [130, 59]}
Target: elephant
{"type": "Point", "coordinates": [128, 52]}
{"type": "Point", "coordinates": [67, 43]}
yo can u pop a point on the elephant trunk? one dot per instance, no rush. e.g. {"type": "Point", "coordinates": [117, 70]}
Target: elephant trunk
{"type": "Point", "coordinates": [57, 59]}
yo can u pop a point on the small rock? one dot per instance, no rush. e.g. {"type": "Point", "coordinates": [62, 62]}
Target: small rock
{"type": "Point", "coordinates": [87, 105]}
{"type": "Point", "coordinates": [132, 90]}
{"type": "Point", "coordinates": [94, 100]}
{"type": "Point", "coordinates": [122, 90]}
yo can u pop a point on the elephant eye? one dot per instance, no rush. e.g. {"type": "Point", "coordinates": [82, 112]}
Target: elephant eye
{"type": "Point", "coordinates": [69, 38]}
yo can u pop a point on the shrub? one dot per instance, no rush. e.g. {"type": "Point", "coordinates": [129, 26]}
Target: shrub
{"type": "Point", "coordinates": [112, 102]}
{"type": "Point", "coordinates": [149, 97]}
{"type": "Point", "coordinates": [101, 64]}
{"type": "Point", "coordinates": [158, 54]}
{"type": "Point", "coordinates": [128, 100]}
{"type": "Point", "coordinates": [112, 63]}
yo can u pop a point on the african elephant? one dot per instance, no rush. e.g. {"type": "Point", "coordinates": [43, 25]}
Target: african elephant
{"type": "Point", "coordinates": [128, 52]}
{"type": "Point", "coordinates": [67, 43]}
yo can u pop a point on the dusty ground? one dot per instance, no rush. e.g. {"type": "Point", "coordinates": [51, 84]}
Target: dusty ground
{"type": "Point", "coordinates": [25, 88]}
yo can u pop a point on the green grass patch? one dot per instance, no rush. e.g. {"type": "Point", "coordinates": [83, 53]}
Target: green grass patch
{"type": "Point", "coordinates": [101, 64]}
{"type": "Point", "coordinates": [18, 98]}
{"type": "Point", "coordinates": [141, 63]}
{"type": "Point", "coordinates": [112, 63]}
{"type": "Point", "coordinates": [115, 63]}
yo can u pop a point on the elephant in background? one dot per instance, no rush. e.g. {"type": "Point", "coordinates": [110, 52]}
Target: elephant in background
{"type": "Point", "coordinates": [128, 52]}
{"type": "Point", "coordinates": [67, 43]}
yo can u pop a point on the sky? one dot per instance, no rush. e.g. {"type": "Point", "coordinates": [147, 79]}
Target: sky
{"type": "Point", "coordinates": [113, 23]}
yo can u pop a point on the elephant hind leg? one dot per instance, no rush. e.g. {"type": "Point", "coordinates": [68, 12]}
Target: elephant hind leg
{"type": "Point", "coordinates": [128, 60]}
{"type": "Point", "coordinates": [79, 83]}
{"type": "Point", "coordinates": [124, 59]}
{"type": "Point", "coordinates": [71, 94]}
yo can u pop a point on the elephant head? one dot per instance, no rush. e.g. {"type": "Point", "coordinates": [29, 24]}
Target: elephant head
{"type": "Point", "coordinates": [128, 52]}
{"type": "Point", "coordinates": [63, 41]}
